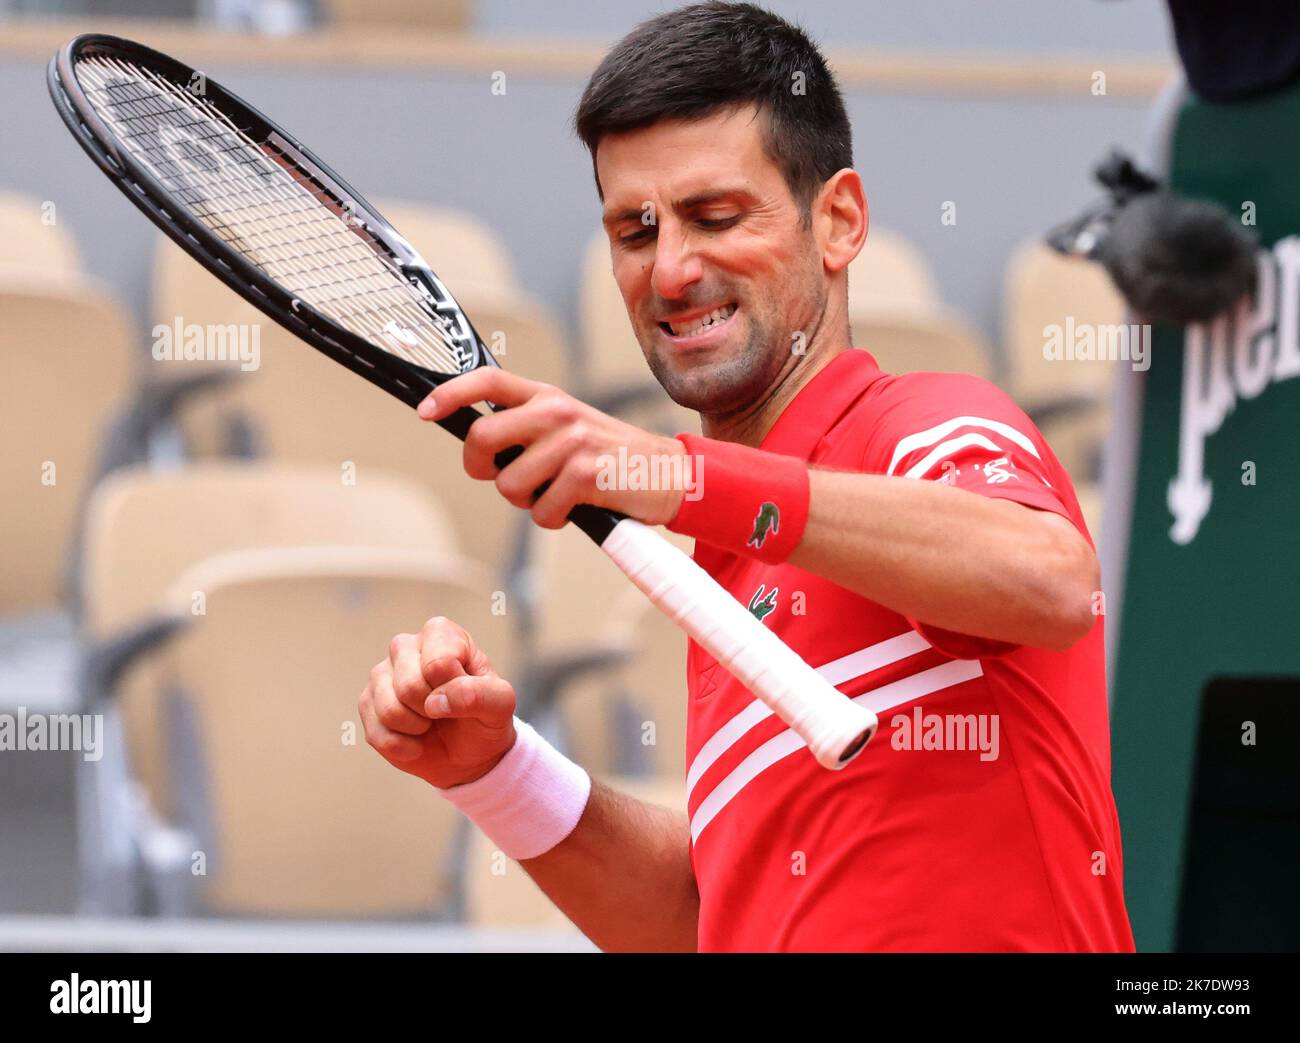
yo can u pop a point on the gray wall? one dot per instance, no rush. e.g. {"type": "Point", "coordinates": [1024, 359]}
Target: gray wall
{"type": "Point", "coordinates": [1108, 26]}
{"type": "Point", "coordinates": [1013, 165]}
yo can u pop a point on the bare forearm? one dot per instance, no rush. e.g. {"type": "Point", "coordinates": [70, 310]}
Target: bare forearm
{"type": "Point", "coordinates": [623, 876]}
{"type": "Point", "coordinates": [951, 558]}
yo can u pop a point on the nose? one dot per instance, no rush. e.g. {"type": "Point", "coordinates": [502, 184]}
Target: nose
{"type": "Point", "coordinates": [676, 265]}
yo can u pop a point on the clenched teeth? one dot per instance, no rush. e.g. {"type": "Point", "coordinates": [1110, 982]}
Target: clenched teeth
{"type": "Point", "coordinates": [703, 322]}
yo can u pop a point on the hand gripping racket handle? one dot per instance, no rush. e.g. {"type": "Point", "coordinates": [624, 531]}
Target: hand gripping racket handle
{"type": "Point", "coordinates": [835, 728]}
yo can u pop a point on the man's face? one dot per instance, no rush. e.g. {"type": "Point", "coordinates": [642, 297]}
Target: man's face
{"type": "Point", "coordinates": [721, 279]}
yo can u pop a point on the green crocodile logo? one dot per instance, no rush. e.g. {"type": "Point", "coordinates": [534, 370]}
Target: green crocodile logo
{"type": "Point", "coordinates": [768, 520]}
{"type": "Point", "coordinates": [763, 604]}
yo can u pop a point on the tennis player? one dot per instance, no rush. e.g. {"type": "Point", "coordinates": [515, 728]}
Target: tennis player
{"type": "Point", "coordinates": [913, 537]}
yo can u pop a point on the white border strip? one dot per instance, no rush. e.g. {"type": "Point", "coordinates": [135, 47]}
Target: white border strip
{"type": "Point", "coordinates": [921, 439]}
{"type": "Point", "coordinates": [837, 671]}
{"type": "Point", "coordinates": [899, 692]}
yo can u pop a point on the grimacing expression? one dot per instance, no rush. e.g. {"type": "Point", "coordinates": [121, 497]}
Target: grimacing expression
{"type": "Point", "coordinates": [721, 277]}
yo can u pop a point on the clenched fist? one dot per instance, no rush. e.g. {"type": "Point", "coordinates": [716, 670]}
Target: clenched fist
{"type": "Point", "coordinates": [436, 709]}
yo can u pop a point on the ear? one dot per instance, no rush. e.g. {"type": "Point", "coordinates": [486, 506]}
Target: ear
{"type": "Point", "coordinates": [840, 217]}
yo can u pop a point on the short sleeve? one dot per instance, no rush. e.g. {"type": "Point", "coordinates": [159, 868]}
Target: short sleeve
{"type": "Point", "coordinates": [962, 431]}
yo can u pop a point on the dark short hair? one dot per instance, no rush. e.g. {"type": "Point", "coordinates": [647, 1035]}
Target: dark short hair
{"type": "Point", "coordinates": [689, 63]}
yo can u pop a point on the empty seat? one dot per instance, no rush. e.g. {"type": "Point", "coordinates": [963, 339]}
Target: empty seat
{"type": "Point", "coordinates": [1042, 290]}
{"type": "Point", "coordinates": [300, 407]}
{"type": "Point", "coordinates": [65, 368]}
{"type": "Point", "coordinates": [295, 813]}
{"type": "Point", "coordinates": [144, 528]}
{"type": "Point", "coordinates": [38, 246]}
{"type": "Point", "coordinates": [465, 252]}
{"type": "Point", "coordinates": [616, 663]}
{"type": "Point", "coordinates": [1050, 297]}
{"type": "Point", "coordinates": [890, 275]}
{"type": "Point", "coordinates": [922, 343]}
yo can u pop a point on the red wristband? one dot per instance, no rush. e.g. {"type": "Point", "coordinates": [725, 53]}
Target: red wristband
{"type": "Point", "coordinates": [743, 500]}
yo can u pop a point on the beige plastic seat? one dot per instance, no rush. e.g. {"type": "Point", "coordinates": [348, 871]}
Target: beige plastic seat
{"type": "Point", "coordinates": [65, 369]}
{"type": "Point", "coordinates": [307, 819]}
{"type": "Point", "coordinates": [918, 343]}
{"type": "Point", "coordinates": [144, 528]}
{"type": "Point", "coordinates": [521, 333]}
{"type": "Point", "coordinates": [576, 587]}
{"type": "Point", "coordinates": [890, 275]}
{"type": "Point", "coordinates": [476, 266]}
{"type": "Point", "coordinates": [499, 893]}
{"type": "Point", "coordinates": [1044, 290]}
{"type": "Point", "coordinates": [637, 707]}
{"type": "Point", "coordinates": [584, 604]}
{"type": "Point", "coordinates": [462, 250]}
{"type": "Point", "coordinates": [181, 287]}
{"type": "Point", "coordinates": [305, 408]}
{"type": "Point", "coordinates": [465, 252]}
{"type": "Point", "coordinates": [35, 251]}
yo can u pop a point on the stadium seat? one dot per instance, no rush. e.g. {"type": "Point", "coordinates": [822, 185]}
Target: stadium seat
{"type": "Point", "coordinates": [295, 813]}
{"type": "Point", "coordinates": [915, 343]}
{"type": "Point", "coordinates": [890, 275]}
{"type": "Point", "coordinates": [607, 660]}
{"type": "Point", "coordinates": [467, 254]}
{"type": "Point", "coordinates": [47, 250]}
{"type": "Point", "coordinates": [146, 527]}
{"type": "Point", "coordinates": [476, 266]}
{"type": "Point", "coordinates": [181, 287]}
{"type": "Point", "coordinates": [630, 718]}
{"type": "Point", "coordinates": [521, 333]}
{"type": "Point", "coordinates": [1043, 289]}
{"type": "Point", "coordinates": [1068, 399]}
{"type": "Point", "coordinates": [300, 407]}
{"type": "Point", "coordinates": [65, 368]}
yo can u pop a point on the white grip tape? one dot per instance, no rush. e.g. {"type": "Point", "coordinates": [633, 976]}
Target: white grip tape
{"type": "Point", "coordinates": [828, 721]}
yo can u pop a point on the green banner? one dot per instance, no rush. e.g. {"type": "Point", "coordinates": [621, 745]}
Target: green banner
{"type": "Point", "coordinates": [1212, 588]}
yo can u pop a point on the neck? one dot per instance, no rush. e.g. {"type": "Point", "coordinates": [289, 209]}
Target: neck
{"type": "Point", "coordinates": [749, 426]}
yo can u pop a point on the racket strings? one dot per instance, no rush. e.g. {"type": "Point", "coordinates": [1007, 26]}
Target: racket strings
{"type": "Point", "coordinates": [268, 209]}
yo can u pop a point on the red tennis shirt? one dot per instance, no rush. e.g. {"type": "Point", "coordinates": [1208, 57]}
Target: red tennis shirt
{"type": "Point", "coordinates": [981, 815]}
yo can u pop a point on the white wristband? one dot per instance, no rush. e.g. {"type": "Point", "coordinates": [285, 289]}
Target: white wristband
{"type": "Point", "coordinates": [530, 801]}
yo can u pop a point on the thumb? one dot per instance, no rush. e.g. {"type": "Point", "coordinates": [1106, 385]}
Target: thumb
{"type": "Point", "coordinates": [486, 697]}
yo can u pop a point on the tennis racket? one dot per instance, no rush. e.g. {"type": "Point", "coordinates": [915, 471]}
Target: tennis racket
{"type": "Point", "coordinates": [251, 204]}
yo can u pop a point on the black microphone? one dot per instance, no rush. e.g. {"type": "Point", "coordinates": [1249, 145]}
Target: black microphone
{"type": "Point", "coordinates": [1175, 260]}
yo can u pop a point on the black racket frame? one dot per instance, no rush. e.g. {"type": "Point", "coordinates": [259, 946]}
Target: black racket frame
{"type": "Point", "coordinates": [403, 380]}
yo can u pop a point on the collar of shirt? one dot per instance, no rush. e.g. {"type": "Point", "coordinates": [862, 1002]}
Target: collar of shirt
{"type": "Point", "coordinates": [820, 403]}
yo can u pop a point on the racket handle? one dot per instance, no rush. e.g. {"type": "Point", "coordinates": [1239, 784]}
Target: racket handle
{"type": "Point", "coordinates": [835, 728]}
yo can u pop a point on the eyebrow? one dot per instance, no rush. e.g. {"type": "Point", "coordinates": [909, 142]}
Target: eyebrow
{"type": "Point", "coordinates": [711, 195]}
